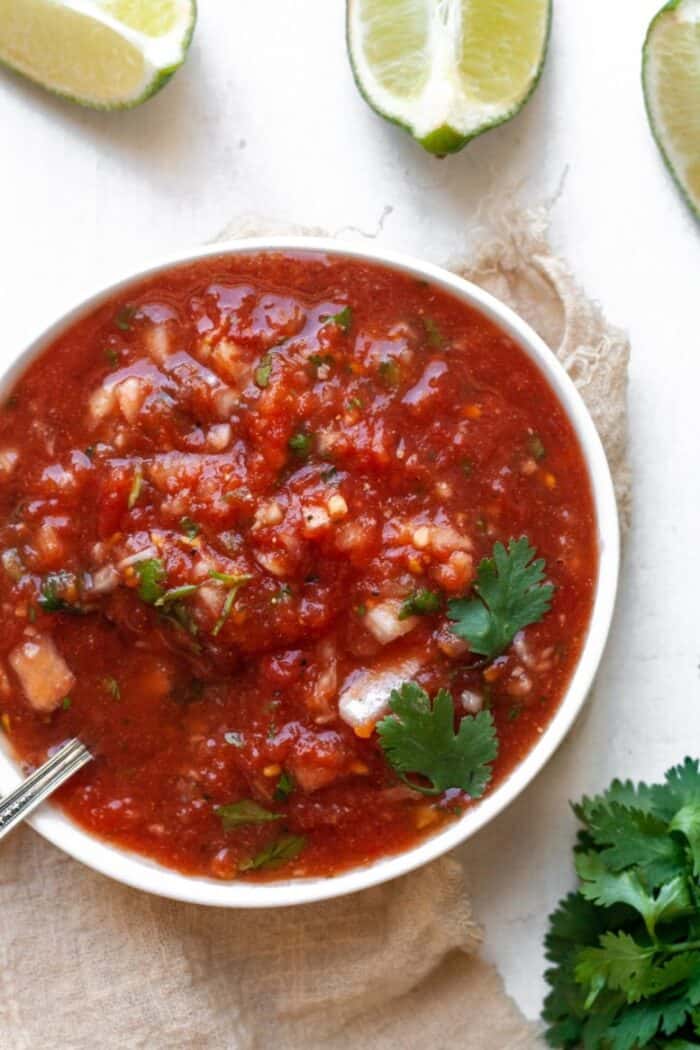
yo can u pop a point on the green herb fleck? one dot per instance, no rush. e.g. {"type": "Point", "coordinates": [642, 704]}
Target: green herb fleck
{"type": "Point", "coordinates": [124, 317]}
{"type": "Point", "coordinates": [55, 591]}
{"type": "Point", "coordinates": [285, 786]}
{"type": "Point", "coordinates": [112, 687]}
{"type": "Point", "coordinates": [319, 360]}
{"type": "Point", "coordinates": [355, 405]}
{"type": "Point", "coordinates": [361, 609]}
{"type": "Point", "coordinates": [433, 333]}
{"type": "Point", "coordinates": [343, 319]}
{"type": "Point", "coordinates": [515, 712]}
{"type": "Point", "coordinates": [175, 594]}
{"type": "Point", "coordinates": [233, 582]}
{"type": "Point", "coordinates": [190, 528]}
{"type": "Point", "coordinates": [31, 614]}
{"type": "Point", "coordinates": [390, 372]}
{"type": "Point", "coordinates": [136, 486]}
{"type": "Point", "coordinates": [151, 574]}
{"type": "Point", "coordinates": [66, 703]}
{"type": "Point", "coordinates": [283, 849]}
{"type": "Point", "coordinates": [419, 738]}
{"type": "Point", "coordinates": [300, 444]}
{"type": "Point", "coordinates": [535, 447]}
{"type": "Point", "coordinates": [112, 356]}
{"type": "Point", "coordinates": [263, 372]}
{"type": "Point", "coordinates": [238, 814]}
{"type": "Point", "coordinates": [420, 603]}
{"type": "Point", "coordinates": [510, 594]}
{"type": "Point", "coordinates": [283, 594]}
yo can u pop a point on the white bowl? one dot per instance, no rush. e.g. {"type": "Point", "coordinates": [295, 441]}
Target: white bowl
{"type": "Point", "coordinates": [145, 874]}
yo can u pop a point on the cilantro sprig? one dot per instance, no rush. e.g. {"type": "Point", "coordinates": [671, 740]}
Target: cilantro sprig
{"type": "Point", "coordinates": [625, 948]}
{"type": "Point", "coordinates": [510, 594]}
{"type": "Point", "coordinates": [420, 739]}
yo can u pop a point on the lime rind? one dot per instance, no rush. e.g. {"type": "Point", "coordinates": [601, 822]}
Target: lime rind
{"type": "Point", "coordinates": [650, 89]}
{"type": "Point", "coordinates": [161, 57]}
{"type": "Point", "coordinates": [444, 138]}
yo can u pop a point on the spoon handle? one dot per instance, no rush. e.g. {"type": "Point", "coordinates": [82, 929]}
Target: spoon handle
{"type": "Point", "coordinates": [42, 783]}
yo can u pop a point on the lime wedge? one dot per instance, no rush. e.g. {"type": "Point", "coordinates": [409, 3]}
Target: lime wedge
{"type": "Point", "coordinates": [672, 91]}
{"type": "Point", "coordinates": [447, 70]}
{"type": "Point", "coordinates": [109, 54]}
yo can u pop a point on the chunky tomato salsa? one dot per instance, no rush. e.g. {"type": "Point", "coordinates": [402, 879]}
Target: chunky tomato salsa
{"type": "Point", "coordinates": [302, 548]}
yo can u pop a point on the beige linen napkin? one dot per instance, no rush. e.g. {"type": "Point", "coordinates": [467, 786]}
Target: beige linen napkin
{"type": "Point", "coordinates": [85, 962]}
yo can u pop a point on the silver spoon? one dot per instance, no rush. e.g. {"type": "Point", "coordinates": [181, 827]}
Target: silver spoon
{"type": "Point", "coordinates": [43, 782]}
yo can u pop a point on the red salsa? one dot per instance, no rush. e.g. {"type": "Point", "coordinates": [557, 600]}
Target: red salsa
{"type": "Point", "coordinates": [237, 506]}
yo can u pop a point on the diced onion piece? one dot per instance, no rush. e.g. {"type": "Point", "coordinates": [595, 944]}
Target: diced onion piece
{"type": "Point", "coordinates": [315, 521]}
{"type": "Point", "coordinates": [142, 555]}
{"type": "Point", "coordinates": [104, 581]}
{"type": "Point", "coordinates": [218, 436]}
{"type": "Point", "coordinates": [337, 507]}
{"type": "Point", "coordinates": [383, 621]}
{"type": "Point", "coordinates": [49, 545]}
{"type": "Point", "coordinates": [43, 673]}
{"type": "Point", "coordinates": [158, 343]}
{"type": "Point", "coordinates": [364, 697]}
{"type": "Point", "coordinates": [9, 458]}
{"type": "Point", "coordinates": [471, 702]}
{"type": "Point", "coordinates": [268, 514]}
{"type": "Point", "coordinates": [101, 404]}
{"type": "Point", "coordinates": [131, 394]}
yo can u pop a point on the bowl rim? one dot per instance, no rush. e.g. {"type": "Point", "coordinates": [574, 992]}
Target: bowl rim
{"type": "Point", "coordinates": [142, 873]}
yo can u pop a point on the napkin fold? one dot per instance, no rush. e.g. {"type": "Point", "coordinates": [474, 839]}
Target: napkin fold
{"type": "Point", "coordinates": [86, 962]}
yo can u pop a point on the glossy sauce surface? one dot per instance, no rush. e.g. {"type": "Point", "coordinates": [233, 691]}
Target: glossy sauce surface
{"type": "Point", "coordinates": [295, 445]}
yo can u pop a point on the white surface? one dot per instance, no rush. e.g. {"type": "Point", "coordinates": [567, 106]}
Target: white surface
{"type": "Point", "coordinates": [264, 117]}
{"type": "Point", "coordinates": [141, 873]}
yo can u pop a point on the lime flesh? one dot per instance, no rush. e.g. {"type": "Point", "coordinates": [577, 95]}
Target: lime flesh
{"type": "Point", "coordinates": [672, 92]}
{"type": "Point", "coordinates": [108, 54]}
{"type": "Point", "coordinates": [447, 70]}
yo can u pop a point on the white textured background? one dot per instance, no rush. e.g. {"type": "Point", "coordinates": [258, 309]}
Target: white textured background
{"type": "Point", "coordinates": [265, 118]}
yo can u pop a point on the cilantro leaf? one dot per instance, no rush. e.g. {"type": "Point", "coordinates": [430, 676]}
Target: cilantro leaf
{"type": "Point", "coordinates": [246, 811]}
{"type": "Point", "coordinates": [511, 593]}
{"type": "Point", "coordinates": [151, 574]}
{"type": "Point", "coordinates": [687, 821]}
{"type": "Point", "coordinates": [600, 885]}
{"type": "Point", "coordinates": [420, 739]}
{"type": "Point", "coordinates": [283, 849]}
{"type": "Point", "coordinates": [618, 963]}
{"type": "Point", "coordinates": [632, 836]}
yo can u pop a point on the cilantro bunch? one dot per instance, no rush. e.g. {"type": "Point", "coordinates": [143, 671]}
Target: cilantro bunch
{"type": "Point", "coordinates": [626, 946]}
